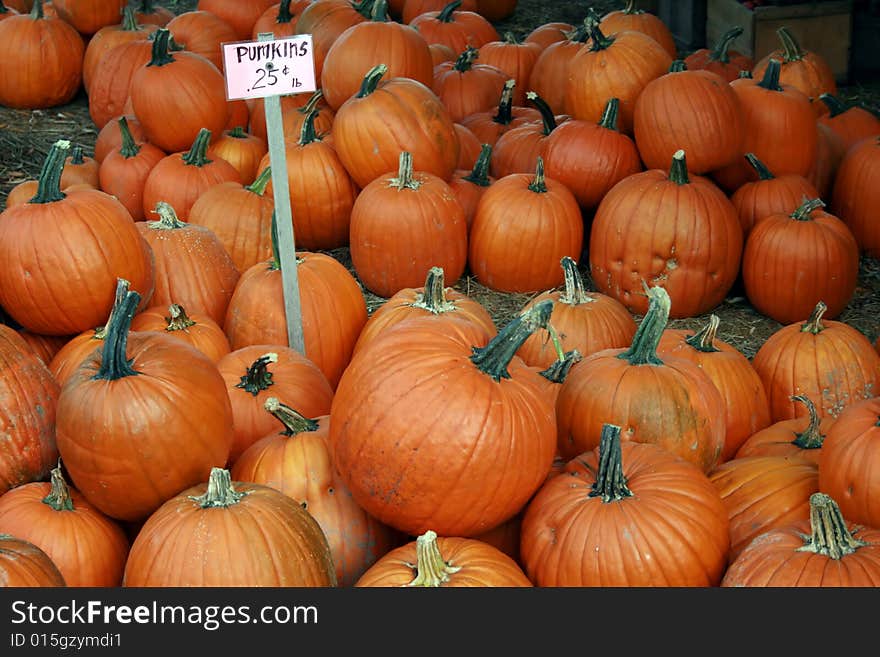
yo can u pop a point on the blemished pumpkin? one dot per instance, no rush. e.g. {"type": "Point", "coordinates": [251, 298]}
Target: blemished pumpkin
{"type": "Point", "coordinates": [23, 564]}
{"type": "Point", "coordinates": [431, 561]}
{"type": "Point", "coordinates": [625, 514]}
{"type": "Point", "coordinates": [239, 534]}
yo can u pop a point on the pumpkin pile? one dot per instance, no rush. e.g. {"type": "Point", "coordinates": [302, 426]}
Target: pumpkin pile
{"type": "Point", "coordinates": [156, 417]}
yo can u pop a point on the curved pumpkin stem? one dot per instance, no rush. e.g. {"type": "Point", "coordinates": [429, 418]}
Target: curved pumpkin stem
{"type": "Point", "coordinates": [122, 287]}
{"type": "Point", "coordinates": [293, 422]}
{"type": "Point", "coordinates": [258, 377]}
{"type": "Point", "coordinates": [307, 133]}
{"type": "Point", "coordinates": [404, 178]}
{"type": "Point", "coordinates": [643, 350]}
{"type": "Point", "coordinates": [260, 183]}
{"type": "Point", "coordinates": [721, 51]}
{"type": "Point", "coordinates": [505, 105]}
{"type": "Point", "coordinates": [814, 323]}
{"type": "Point", "coordinates": [221, 493]}
{"type": "Point", "coordinates": [479, 175]}
{"type": "Point", "coordinates": [129, 19]}
{"type": "Point", "coordinates": [312, 103]}
{"type": "Point", "coordinates": [791, 49]}
{"type": "Point", "coordinates": [548, 120]}
{"type": "Point", "coordinates": [610, 484]}
{"type": "Point", "coordinates": [763, 172]}
{"type": "Point", "coordinates": [538, 184]}
{"type": "Point", "coordinates": [770, 81]}
{"type": "Point", "coordinates": [610, 114]}
{"type": "Point", "coordinates": [704, 339]}
{"type": "Point", "coordinates": [167, 218]}
{"type": "Point", "coordinates": [494, 358]}
{"type": "Point", "coordinates": [835, 106]}
{"type": "Point", "coordinates": [830, 535]}
{"type": "Point", "coordinates": [197, 155]}
{"type": "Point", "coordinates": [59, 494]}
{"type": "Point", "coordinates": [445, 15]}
{"type": "Point", "coordinates": [129, 147]}
{"type": "Point", "coordinates": [809, 438]}
{"type": "Point", "coordinates": [371, 80]}
{"type": "Point", "coordinates": [678, 171]}
{"type": "Point", "coordinates": [575, 293]}
{"type": "Point", "coordinates": [161, 55]}
{"type": "Point", "coordinates": [806, 209]}
{"type": "Point", "coordinates": [431, 569]}
{"type": "Point", "coordinates": [598, 41]}
{"type": "Point", "coordinates": [49, 180]}
{"type": "Point", "coordinates": [559, 369]}
{"type": "Point", "coordinates": [114, 363]}
{"type": "Point", "coordinates": [579, 33]}
{"type": "Point", "coordinates": [177, 318]}
{"type": "Point", "coordinates": [433, 299]}
{"type": "Point", "coordinates": [465, 61]}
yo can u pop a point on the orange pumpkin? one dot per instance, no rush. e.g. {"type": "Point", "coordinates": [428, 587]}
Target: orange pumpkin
{"type": "Point", "coordinates": [801, 436]}
{"type": "Point", "coordinates": [23, 564]}
{"type": "Point", "coordinates": [720, 59]}
{"type": "Point", "coordinates": [109, 36]}
{"type": "Point", "coordinates": [196, 329]}
{"type": "Point", "coordinates": [631, 18]}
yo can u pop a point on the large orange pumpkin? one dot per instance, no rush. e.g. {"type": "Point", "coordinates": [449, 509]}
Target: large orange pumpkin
{"type": "Point", "coordinates": [89, 16]}
{"type": "Point", "coordinates": [856, 194]}
{"type": "Point", "coordinates": [23, 564]}
{"type": "Point", "coordinates": [109, 36]}
{"type": "Point", "coordinates": [631, 18]}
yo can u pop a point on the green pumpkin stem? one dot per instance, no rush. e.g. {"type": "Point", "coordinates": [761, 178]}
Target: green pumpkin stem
{"type": "Point", "coordinates": [433, 298]}
{"type": "Point", "coordinates": [129, 19]}
{"type": "Point", "coordinates": [505, 105]}
{"type": "Point", "coordinates": [445, 15]}
{"type": "Point", "coordinates": [721, 51]}
{"type": "Point", "coordinates": [830, 536]}
{"type": "Point", "coordinates": [258, 377]}
{"type": "Point", "coordinates": [548, 120]}
{"type": "Point", "coordinates": [49, 180]}
{"type": "Point", "coordinates": [122, 287]}
{"type": "Point", "coordinates": [220, 493]}
{"type": "Point", "coordinates": [494, 358]}
{"type": "Point", "coordinates": [630, 8]}
{"type": "Point", "coordinates": [770, 81]}
{"type": "Point", "coordinates": [579, 33]}
{"type": "Point", "coordinates": [538, 184]}
{"type": "Point", "coordinates": [791, 49]}
{"type": "Point", "coordinates": [76, 155]}
{"type": "Point", "coordinates": [611, 483]}
{"type": "Point", "coordinates": [364, 8]}
{"type": "Point", "coordinates": [804, 212]}
{"type": "Point", "coordinates": [465, 61]}
{"type": "Point", "coordinates": [643, 350]}
{"type": "Point", "coordinates": [168, 219]}
{"type": "Point", "coordinates": [811, 437]}
{"type": "Point", "coordinates": [510, 37]}
{"type": "Point", "coordinates": [37, 10]}
{"type": "Point", "coordinates": [197, 156]}
{"type": "Point", "coordinates": [237, 132]}
{"type": "Point", "coordinates": [610, 114]}
{"type": "Point", "coordinates": [575, 293]}
{"type": "Point", "coordinates": [307, 133]}
{"type": "Point", "coordinates": [479, 175]}
{"type": "Point", "coordinates": [129, 147]}
{"type": "Point", "coordinates": [763, 172]}
{"type": "Point", "coordinates": [404, 179]}
{"type": "Point", "coordinates": [3, 8]}
{"type": "Point", "coordinates": [371, 80]}
{"type": "Point", "coordinates": [312, 103]}
{"type": "Point", "coordinates": [678, 66]}
{"type": "Point", "coordinates": [177, 318]}
{"type": "Point", "coordinates": [260, 183]}
{"type": "Point", "coordinates": [161, 54]}
{"type": "Point", "coordinates": [835, 106]}
{"type": "Point", "coordinates": [814, 322]}
{"type": "Point", "coordinates": [59, 494]}
{"type": "Point", "coordinates": [559, 369]}
{"type": "Point", "coordinates": [284, 15]}
{"type": "Point", "coordinates": [379, 13]}
{"type": "Point", "coordinates": [704, 339]}
{"type": "Point", "coordinates": [678, 171]}
{"type": "Point", "coordinates": [293, 422]}
{"type": "Point", "coordinates": [114, 364]}
{"type": "Point", "coordinates": [745, 74]}
{"type": "Point", "coordinates": [431, 569]}
{"type": "Point", "coordinates": [598, 41]}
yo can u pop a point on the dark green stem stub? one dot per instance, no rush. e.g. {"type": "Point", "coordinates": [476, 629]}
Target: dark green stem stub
{"type": "Point", "coordinates": [494, 358]}
{"type": "Point", "coordinates": [114, 364]}
{"type": "Point", "coordinates": [643, 350]}
{"type": "Point", "coordinates": [371, 80]}
{"type": "Point", "coordinates": [811, 437]}
{"type": "Point", "coordinates": [559, 369]}
{"type": "Point", "coordinates": [258, 377]}
{"type": "Point", "coordinates": [49, 180]}
{"type": "Point", "coordinates": [770, 81]}
{"type": "Point", "coordinates": [704, 339]}
{"type": "Point", "coordinates": [161, 54]}
{"type": "Point", "coordinates": [806, 209]}
{"type": "Point", "coordinates": [59, 494]}
{"type": "Point", "coordinates": [763, 172]}
{"type": "Point", "coordinates": [678, 171]}
{"type": "Point", "coordinates": [610, 484]}
{"type": "Point", "coordinates": [479, 175]}
{"type": "Point", "coordinates": [539, 184]}
{"type": "Point", "coordinates": [197, 155]}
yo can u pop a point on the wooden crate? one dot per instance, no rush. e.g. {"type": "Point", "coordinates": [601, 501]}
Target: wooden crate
{"type": "Point", "coordinates": [822, 27]}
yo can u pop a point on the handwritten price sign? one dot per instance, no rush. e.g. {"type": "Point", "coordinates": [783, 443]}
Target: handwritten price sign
{"type": "Point", "coordinates": [257, 69]}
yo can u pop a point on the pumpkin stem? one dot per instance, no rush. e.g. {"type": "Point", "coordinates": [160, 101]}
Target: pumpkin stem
{"type": "Point", "coordinates": [37, 10]}
{"type": "Point", "coordinates": [237, 132]}
{"type": "Point", "coordinates": [307, 133]}
{"type": "Point", "coordinates": [160, 54]}
{"type": "Point", "coordinates": [610, 484]}
{"type": "Point", "coordinates": [260, 183]}
{"type": "Point", "coordinates": [806, 209]}
{"type": "Point", "coordinates": [433, 299]}
{"type": "Point", "coordinates": [114, 364]}
{"type": "Point", "coordinates": [445, 15]}
{"type": "Point", "coordinates": [122, 287]}
{"type": "Point", "coordinates": [364, 8]}
{"type": "Point", "coordinates": [834, 104]}
{"type": "Point", "coordinates": [49, 181]}
{"type": "Point", "coordinates": [431, 569]}
{"type": "Point", "coordinates": [510, 37]}
{"type": "Point", "coordinates": [704, 339]}
{"type": "Point", "coordinates": [763, 172]}
{"type": "Point", "coordinates": [494, 358]}
{"type": "Point", "coordinates": [643, 350]}
{"type": "Point", "coordinates": [465, 61]}
{"type": "Point", "coordinates": [558, 371]}
{"type": "Point", "coordinates": [598, 40]}
{"type": "Point", "coordinates": [630, 7]}
{"type": "Point", "coordinates": [791, 49]}
{"type": "Point", "coordinates": [770, 81]}
{"type": "Point", "coordinates": [538, 185]}
{"type": "Point", "coordinates": [258, 377]}
{"type": "Point", "coordinates": [678, 66]}
{"type": "Point", "coordinates": [379, 13]}
{"type": "Point", "coordinates": [129, 147]}
{"type": "Point", "coordinates": [814, 323]}
{"type": "Point", "coordinates": [809, 438]}
{"type": "Point", "coordinates": [479, 175]}
{"type": "Point", "coordinates": [59, 495]}
{"type": "Point", "coordinates": [678, 172]}
{"type": "Point", "coordinates": [579, 34]}
{"type": "Point", "coordinates": [548, 120]}
{"type": "Point", "coordinates": [76, 155]}
{"type": "Point", "coordinates": [284, 15]}
{"type": "Point", "coordinates": [197, 156]}
{"type": "Point", "coordinates": [830, 535]}
{"type": "Point", "coordinates": [745, 75]}
{"type": "Point", "coordinates": [177, 318]}
{"type": "Point", "coordinates": [575, 293]}
{"type": "Point", "coordinates": [721, 52]}
{"type": "Point", "coordinates": [129, 19]}
{"type": "Point", "coordinates": [167, 218]}
{"type": "Point", "coordinates": [371, 80]}
{"type": "Point", "coordinates": [221, 493]}
{"type": "Point", "coordinates": [312, 103]}
{"type": "Point", "coordinates": [293, 422]}
{"type": "Point", "coordinates": [505, 105]}
{"type": "Point", "coordinates": [404, 178]}
{"type": "Point", "coordinates": [610, 114]}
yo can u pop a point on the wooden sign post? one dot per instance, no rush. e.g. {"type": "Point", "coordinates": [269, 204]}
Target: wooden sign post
{"type": "Point", "coordinates": [269, 68]}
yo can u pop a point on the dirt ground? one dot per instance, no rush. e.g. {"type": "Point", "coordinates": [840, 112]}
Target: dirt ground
{"type": "Point", "coordinates": [26, 136]}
